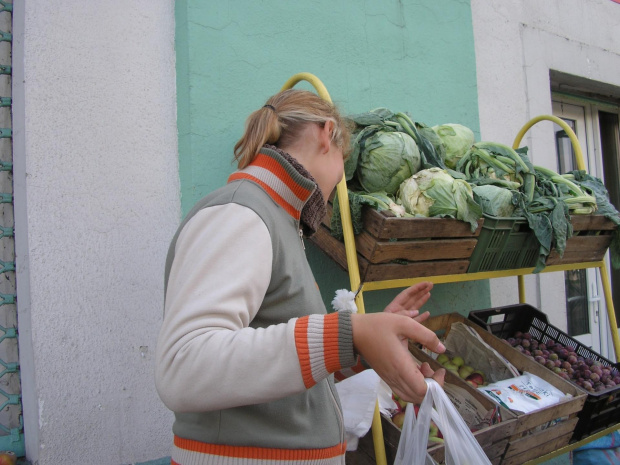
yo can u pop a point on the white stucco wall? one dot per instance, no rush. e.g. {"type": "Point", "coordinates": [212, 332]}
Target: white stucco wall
{"type": "Point", "coordinates": [96, 202]}
{"type": "Point", "coordinates": [517, 42]}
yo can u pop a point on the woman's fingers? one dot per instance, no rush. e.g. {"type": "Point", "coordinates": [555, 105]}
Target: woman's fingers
{"type": "Point", "coordinates": [411, 299]}
{"type": "Point", "coordinates": [381, 338]}
{"type": "Point", "coordinates": [422, 317]}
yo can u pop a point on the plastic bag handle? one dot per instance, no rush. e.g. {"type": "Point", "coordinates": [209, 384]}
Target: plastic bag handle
{"type": "Point", "coordinates": [460, 444]}
{"type": "Point", "coordinates": [414, 435]}
{"type": "Point", "coordinates": [461, 447]}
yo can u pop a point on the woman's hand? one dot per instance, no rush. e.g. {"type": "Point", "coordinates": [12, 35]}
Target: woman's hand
{"type": "Point", "coordinates": [382, 339]}
{"type": "Point", "coordinates": [409, 301]}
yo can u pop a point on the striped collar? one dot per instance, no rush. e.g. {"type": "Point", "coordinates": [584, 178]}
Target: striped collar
{"type": "Point", "coordinates": [280, 179]}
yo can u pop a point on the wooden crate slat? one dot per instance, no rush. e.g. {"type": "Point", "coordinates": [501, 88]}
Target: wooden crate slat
{"type": "Point", "coordinates": [384, 226]}
{"type": "Point", "coordinates": [535, 452]}
{"type": "Point", "coordinates": [388, 271]}
{"type": "Point", "coordinates": [539, 438]}
{"type": "Point", "coordinates": [416, 250]}
{"type": "Point", "coordinates": [581, 249]}
{"type": "Point", "coordinates": [591, 222]}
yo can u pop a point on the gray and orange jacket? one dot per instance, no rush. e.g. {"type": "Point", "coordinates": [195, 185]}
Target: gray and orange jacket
{"type": "Point", "coordinates": [247, 350]}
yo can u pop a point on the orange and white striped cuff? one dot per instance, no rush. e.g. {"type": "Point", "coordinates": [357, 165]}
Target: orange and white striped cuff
{"type": "Point", "coordinates": [324, 345]}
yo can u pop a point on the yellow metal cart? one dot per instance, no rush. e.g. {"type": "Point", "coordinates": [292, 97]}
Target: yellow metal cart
{"type": "Point", "coordinates": [355, 281]}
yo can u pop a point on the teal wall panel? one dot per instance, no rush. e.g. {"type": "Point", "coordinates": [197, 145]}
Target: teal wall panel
{"type": "Point", "coordinates": [408, 56]}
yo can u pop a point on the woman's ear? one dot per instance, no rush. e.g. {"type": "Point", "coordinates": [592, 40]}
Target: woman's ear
{"type": "Point", "coordinates": [325, 136]}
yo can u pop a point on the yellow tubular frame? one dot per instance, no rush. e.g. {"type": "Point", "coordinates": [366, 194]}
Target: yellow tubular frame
{"type": "Point", "coordinates": [351, 253]}
{"type": "Point", "coordinates": [611, 314]}
{"type": "Point", "coordinates": [356, 284]}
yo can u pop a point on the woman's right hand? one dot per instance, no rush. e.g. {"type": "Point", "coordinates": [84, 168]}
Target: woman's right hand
{"type": "Point", "coordinates": [382, 339]}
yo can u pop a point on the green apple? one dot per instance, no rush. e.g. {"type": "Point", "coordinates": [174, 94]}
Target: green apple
{"type": "Point", "coordinates": [451, 367]}
{"type": "Point", "coordinates": [442, 358]}
{"type": "Point", "coordinates": [465, 371]}
{"type": "Point", "coordinates": [458, 361]}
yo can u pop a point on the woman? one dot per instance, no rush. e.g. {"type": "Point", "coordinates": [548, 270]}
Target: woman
{"type": "Point", "coordinates": [247, 350]}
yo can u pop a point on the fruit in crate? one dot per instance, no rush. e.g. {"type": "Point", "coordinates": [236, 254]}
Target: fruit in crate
{"type": "Point", "coordinates": [434, 435]}
{"type": "Point", "coordinates": [458, 366]}
{"type": "Point", "coordinates": [451, 367]}
{"type": "Point", "coordinates": [398, 418]}
{"type": "Point", "coordinates": [477, 378]}
{"type": "Point", "coordinates": [401, 403]}
{"type": "Point", "coordinates": [465, 371]}
{"type": "Point", "coordinates": [586, 372]}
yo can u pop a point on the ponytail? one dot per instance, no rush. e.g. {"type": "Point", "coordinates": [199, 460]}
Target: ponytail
{"type": "Point", "coordinates": [262, 127]}
{"type": "Point", "coordinates": [280, 121]}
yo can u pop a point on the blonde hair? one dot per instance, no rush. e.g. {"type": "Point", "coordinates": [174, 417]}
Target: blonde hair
{"type": "Point", "coordinates": [283, 118]}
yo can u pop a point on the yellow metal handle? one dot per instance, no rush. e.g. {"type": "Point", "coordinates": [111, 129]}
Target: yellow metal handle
{"type": "Point", "coordinates": [312, 79]}
{"type": "Point", "coordinates": [611, 314]}
{"type": "Point", "coordinates": [560, 122]}
{"type": "Point", "coordinates": [351, 253]}
{"type": "Point", "coordinates": [578, 156]}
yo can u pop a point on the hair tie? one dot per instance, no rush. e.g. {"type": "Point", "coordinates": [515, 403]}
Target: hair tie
{"type": "Point", "coordinates": [270, 106]}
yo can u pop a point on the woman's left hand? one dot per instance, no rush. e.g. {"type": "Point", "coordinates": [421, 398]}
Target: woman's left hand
{"type": "Point", "coordinates": [409, 301]}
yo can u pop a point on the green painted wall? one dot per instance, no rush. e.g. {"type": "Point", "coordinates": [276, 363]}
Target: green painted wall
{"type": "Point", "coordinates": [408, 56]}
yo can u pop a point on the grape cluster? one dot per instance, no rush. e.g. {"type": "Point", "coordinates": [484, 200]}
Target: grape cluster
{"type": "Point", "coordinates": [588, 373]}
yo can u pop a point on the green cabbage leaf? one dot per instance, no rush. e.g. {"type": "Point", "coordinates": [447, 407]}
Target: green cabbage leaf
{"type": "Point", "coordinates": [434, 193]}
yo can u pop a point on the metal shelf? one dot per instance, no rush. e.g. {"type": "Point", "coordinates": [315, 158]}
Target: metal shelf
{"type": "Point", "coordinates": [354, 275]}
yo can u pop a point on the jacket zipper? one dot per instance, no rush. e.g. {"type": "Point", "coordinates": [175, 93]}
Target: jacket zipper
{"type": "Point", "coordinates": [301, 238]}
{"type": "Point", "coordinates": [339, 412]}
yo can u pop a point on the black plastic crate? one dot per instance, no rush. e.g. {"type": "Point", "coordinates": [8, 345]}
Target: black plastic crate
{"type": "Point", "coordinates": [601, 409]}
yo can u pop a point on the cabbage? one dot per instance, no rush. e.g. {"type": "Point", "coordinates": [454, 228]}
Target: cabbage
{"type": "Point", "coordinates": [495, 200]}
{"type": "Point", "coordinates": [387, 159]}
{"type": "Point", "coordinates": [457, 140]}
{"type": "Point", "coordinates": [434, 193]}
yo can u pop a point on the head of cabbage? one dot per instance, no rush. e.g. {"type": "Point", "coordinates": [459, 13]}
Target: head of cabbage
{"type": "Point", "coordinates": [386, 160]}
{"type": "Point", "coordinates": [457, 140]}
{"type": "Point", "coordinates": [434, 193]}
{"type": "Point", "coordinates": [495, 200]}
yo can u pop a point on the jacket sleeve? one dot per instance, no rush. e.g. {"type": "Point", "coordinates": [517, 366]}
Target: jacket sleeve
{"type": "Point", "coordinates": [207, 355]}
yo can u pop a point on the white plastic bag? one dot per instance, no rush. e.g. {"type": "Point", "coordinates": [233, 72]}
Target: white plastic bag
{"type": "Point", "coordinates": [358, 397]}
{"type": "Point", "coordinates": [461, 448]}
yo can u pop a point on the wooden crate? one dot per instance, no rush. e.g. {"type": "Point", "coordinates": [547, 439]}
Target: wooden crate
{"type": "Point", "coordinates": [534, 433]}
{"type": "Point", "coordinates": [493, 439]}
{"type": "Point", "coordinates": [396, 248]}
{"type": "Point", "coordinates": [591, 238]}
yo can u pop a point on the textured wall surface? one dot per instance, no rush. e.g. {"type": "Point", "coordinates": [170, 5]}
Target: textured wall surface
{"type": "Point", "coordinates": [406, 56]}
{"type": "Point", "coordinates": [97, 200]}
